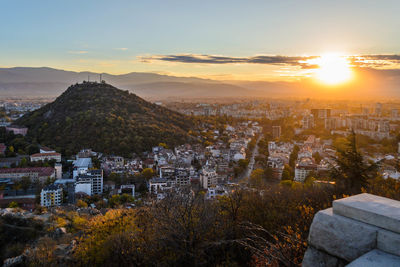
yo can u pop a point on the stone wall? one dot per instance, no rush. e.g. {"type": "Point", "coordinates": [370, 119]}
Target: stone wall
{"type": "Point", "coordinates": [362, 230]}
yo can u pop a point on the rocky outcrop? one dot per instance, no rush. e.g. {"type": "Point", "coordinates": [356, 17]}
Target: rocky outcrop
{"type": "Point", "coordinates": [353, 228]}
{"type": "Point", "coordinates": [16, 261]}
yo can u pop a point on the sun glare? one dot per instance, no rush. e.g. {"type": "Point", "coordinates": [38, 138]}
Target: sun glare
{"type": "Point", "coordinates": [333, 69]}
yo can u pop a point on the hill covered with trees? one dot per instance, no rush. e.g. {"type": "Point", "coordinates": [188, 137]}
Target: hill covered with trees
{"type": "Point", "coordinates": [106, 119]}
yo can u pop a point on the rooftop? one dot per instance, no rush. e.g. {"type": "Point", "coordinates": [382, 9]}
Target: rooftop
{"type": "Point", "coordinates": [16, 127]}
{"type": "Point", "coordinates": [37, 155]}
{"type": "Point", "coordinates": [43, 171]}
{"type": "Point", "coordinates": [51, 187]}
{"type": "Point", "coordinates": [82, 162]}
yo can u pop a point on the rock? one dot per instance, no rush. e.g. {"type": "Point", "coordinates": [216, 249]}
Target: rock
{"type": "Point", "coordinates": [340, 236]}
{"type": "Point", "coordinates": [376, 258]}
{"type": "Point", "coordinates": [379, 211]}
{"type": "Point", "coordinates": [61, 250]}
{"type": "Point", "coordinates": [94, 211]}
{"type": "Point", "coordinates": [389, 242]}
{"type": "Point", "coordinates": [72, 245]}
{"type": "Point", "coordinates": [316, 258]}
{"type": "Point", "coordinates": [16, 261]}
{"type": "Point", "coordinates": [58, 232]}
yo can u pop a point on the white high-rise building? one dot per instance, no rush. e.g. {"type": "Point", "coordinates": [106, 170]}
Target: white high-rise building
{"type": "Point", "coordinates": [208, 177]}
{"type": "Point", "coordinates": [395, 113]}
{"type": "Point", "coordinates": [90, 183]}
{"type": "Point", "coordinates": [308, 122]}
{"type": "Point", "coordinates": [276, 132]}
{"type": "Point", "coordinates": [51, 196]}
{"type": "Point", "coordinates": [58, 167]}
{"type": "Point", "coordinates": [378, 109]}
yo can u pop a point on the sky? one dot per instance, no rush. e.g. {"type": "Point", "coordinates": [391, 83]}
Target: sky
{"type": "Point", "coordinates": [160, 36]}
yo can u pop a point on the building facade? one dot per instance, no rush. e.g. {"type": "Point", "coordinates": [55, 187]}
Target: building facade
{"type": "Point", "coordinates": [51, 196]}
{"type": "Point", "coordinates": [46, 156]}
{"type": "Point", "coordinates": [35, 173]}
{"type": "Point", "coordinates": [90, 183]}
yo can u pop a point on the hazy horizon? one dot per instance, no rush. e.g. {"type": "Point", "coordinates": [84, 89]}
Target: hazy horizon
{"type": "Point", "coordinates": [227, 40]}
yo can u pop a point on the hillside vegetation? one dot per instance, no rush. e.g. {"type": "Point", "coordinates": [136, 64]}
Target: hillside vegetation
{"type": "Point", "coordinates": [106, 119]}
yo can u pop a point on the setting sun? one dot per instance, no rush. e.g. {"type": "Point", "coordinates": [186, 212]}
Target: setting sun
{"type": "Point", "coordinates": [333, 69]}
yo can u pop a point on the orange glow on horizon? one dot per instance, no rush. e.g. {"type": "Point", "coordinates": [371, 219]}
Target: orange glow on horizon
{"type": "Point", "coordinates": [333, 69]}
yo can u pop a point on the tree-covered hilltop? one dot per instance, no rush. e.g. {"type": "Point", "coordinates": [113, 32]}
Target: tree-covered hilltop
{"type": "Point", "coordinates": [106, 119]}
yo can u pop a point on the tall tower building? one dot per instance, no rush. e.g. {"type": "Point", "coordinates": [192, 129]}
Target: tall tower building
{"type": "Point", "coordinates": [276, 132]}
{"type": "Point", "coordinates": [395, 113]}
{"type": "Point", "coordinates": [378, 109]}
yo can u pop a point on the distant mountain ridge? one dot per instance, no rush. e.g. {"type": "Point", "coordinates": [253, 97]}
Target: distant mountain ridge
{"type": "Point", "coordinates": [47, 82]}
{"type": "Point", "coordinates": [102, 117]}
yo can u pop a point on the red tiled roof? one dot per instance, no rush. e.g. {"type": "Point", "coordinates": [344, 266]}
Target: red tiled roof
{"type": "Point", "coordinates": [43, 171]}
{"type": "Point", "coordinates": [45, 154]}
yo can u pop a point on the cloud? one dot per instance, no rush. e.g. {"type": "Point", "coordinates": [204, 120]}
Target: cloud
{"type": "Point", "coordinates": [304, 62]}
{"type": "Point", "coordinates": [79, 52]}
{"type": "Point", "coordinates": [121, 48]}
{"type": "Point", "coordinates": [211, 59]}
{"type": "Point", "coordinates": [376, 61]}
{"type": "Point", "coordinates": [382, 57]}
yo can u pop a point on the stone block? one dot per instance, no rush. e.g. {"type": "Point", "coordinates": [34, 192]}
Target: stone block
{"type": "Point", "coordinates": [316, 258]}
{"type": "Point", "coordinates": [340, 236]}
{"type": "Point", "coordinates": [376, 258]}
{"type": "Point", "coordinates": [389, 242]}
{"type": "Point", "coordinates": [378, 211]}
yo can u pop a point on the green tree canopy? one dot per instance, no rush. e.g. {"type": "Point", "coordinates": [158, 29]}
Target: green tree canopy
{"type": "Point", "coordinates": [352, 171]}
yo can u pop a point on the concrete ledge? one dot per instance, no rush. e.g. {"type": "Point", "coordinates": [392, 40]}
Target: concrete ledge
{"type": "Point", "coordinates": [315, 258]}
{"type": "Point", "coordinates": [371, 209]}
{"type": "Point", "coordinates": [388, 241]}
{"type": "Point", "coordinates": [340, 236]}
{"type": "Point", "coordinates": [376, 258]}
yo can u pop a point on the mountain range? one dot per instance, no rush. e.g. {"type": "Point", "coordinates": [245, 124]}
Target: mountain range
{"type": "Point", "coordinates": [49, 82]}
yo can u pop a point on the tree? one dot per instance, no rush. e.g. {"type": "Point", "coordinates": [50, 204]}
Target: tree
{"type": "Point", "coordinates": [257, 178]}
{"type": "Point", "coordinates": [243, 163]}
{"type": "Point", "coordinates": [117, 200]}
{"type": "Point", "coordinates": [352, 172]}
{"type": "Point", "coordinates": [196, 164]}
{"type": "Point", "coordinates": [115, 177]}
{"type": "Point", "coordinates": [81, 204]}
{"type": "Point", "coordinates": [309, 180]}
{"type": "Point", "coordinates": [287, 173]}
{"type": "Point", "coordinates": [148, 173]}
{"type": "Point", "coordinates": [164, 145]}
{"type": "Point", "coordinates": [23, 163]}
{"type": "Point", "coordinates": [10, 152]}
{"type": "Point", "coordinates": [32, 149]}
{"type": "Point", "coordinates": [13, 204]}
{"type": "Point", "coordinates": [293, 156]}
{"type": "Point", "coordinates": [317, 157]}
{"type": "Point", "coordinates": [25, 182]}
{"type": "Point", "coordinates": [268, 173]}
{"type": "Point", "coordinates": [96, 163]}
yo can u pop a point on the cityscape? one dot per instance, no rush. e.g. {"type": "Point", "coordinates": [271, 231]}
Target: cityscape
{"type": "Point", "coordinates": [170, 142]}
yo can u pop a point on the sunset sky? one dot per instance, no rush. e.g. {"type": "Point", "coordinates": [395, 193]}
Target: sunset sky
{"type": "Point", "coordinates": [249, 40]}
